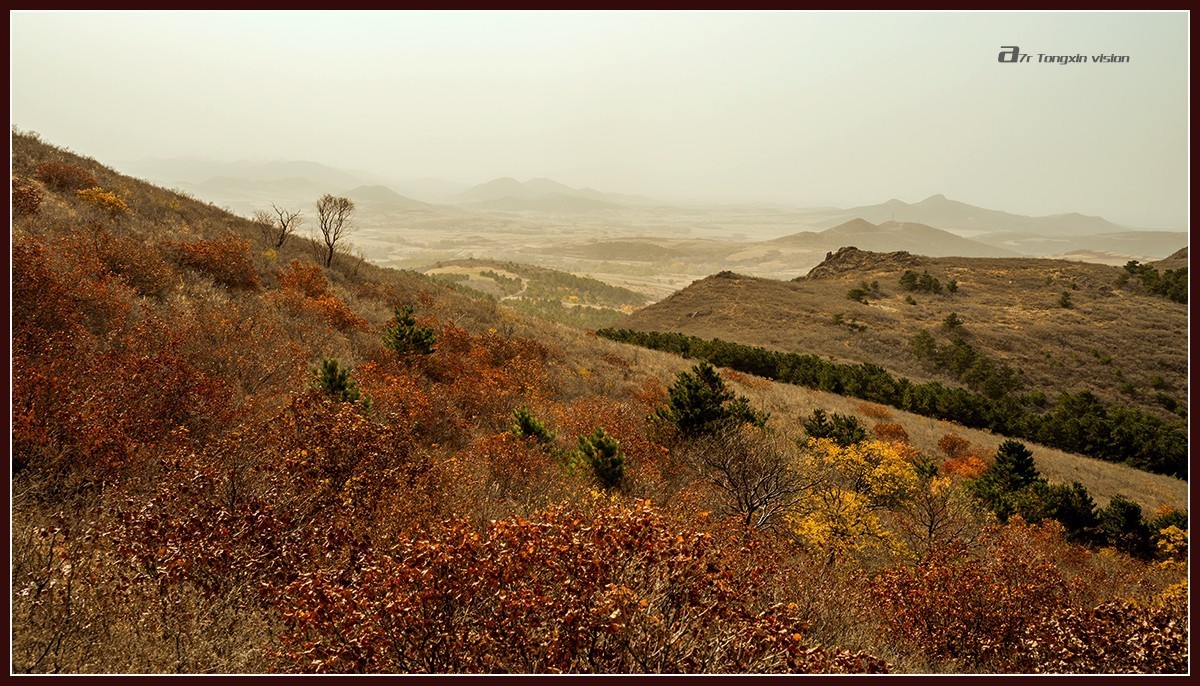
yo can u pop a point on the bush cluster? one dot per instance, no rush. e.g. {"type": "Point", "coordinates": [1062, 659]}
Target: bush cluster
{"type": "Point", "coordinates": [64, 176]}
{"type": "Point", "coordinates": [1170, 283]}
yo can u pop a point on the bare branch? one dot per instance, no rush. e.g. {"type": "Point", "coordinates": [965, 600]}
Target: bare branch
{"type": "Point", "coordinates": [334, 219]}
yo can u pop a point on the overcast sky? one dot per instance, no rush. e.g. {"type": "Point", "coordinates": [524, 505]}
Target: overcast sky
{"type": "Point", "coordinates": [808, 108]}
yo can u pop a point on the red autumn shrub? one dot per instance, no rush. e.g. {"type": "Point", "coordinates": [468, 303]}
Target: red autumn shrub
{"type": "Point", "coordinates": [64, 176]}
{"type": "Point", "coordinates": [954, 446]}
{"type": "Point", "coordinates": [226, 260]}
{"type": "Point", "coordinates": [26, 198]}
{"type": "Point", "coordinates": [339, 315]}
{"type": "Point", "coordinates": [308, 280]}
{"type": "Point", "coordinates": [1116, 637]}
{"type": "Point", "coordinates": [890, 432]}
{"type": "Point", "coordinates": [618, 590]}
{"type": "Point", "coordinates": [305, 277]}
{"type": "Point", "coordinates": [874, 410]}
{"type": "Point", "coordinates": [966, 466]}
{"type": "Point", "coordinates": [972, 610]}
{"type": "Point", "coordinates": [137, 264]}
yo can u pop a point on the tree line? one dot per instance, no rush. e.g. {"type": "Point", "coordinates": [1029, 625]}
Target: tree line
{"type": "Point", "coordinates": [1075, 422]}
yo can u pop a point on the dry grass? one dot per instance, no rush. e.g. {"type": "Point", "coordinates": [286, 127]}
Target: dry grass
{"type": "Point", "coordinates": [789, 405]}
{"type": "Point", "coordinates": [1111, 336]}
{"type": "Point", "coordinates": [92, 619]}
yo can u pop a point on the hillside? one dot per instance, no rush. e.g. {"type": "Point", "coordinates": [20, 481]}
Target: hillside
{"type": "Point", "coordinates": [550, 294]}
{"type": "Point", "coordinates": [1118, 342]}
{"type": "Point", "coordinates": [549, 202]}
{"type": "Point", "coordinates": [1109, 248]}
{"type": "Point", "coordinates": [1176, 260]}
{"type": "Point", "coordinates": [383, 198]}
{"type": "Point", "coordinates": [891, 236]}
{"type": "Point", "coordinates": [228, 458]}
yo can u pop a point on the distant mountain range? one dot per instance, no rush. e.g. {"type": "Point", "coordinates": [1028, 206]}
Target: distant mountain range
{"type": "Point", "coordinates": [892, 235]}
{"type": "Point", "coordinates": [935, 226]}
{"type": "Point", "coordinates": [952, 215]}
{"type": "Point", "coordinates": [244, 186]}
{"type": "Point", "coordinates": [507, 193]}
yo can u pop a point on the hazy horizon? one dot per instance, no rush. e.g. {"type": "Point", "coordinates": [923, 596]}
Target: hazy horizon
{"type": "Point", "coordinates": [808, 109]}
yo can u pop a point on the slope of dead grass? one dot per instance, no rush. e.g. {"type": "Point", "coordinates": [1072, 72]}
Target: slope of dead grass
{"type": "Point", "coordinates": [789, 405]}
{"type": "Point", "coordinates": [1110, 337]}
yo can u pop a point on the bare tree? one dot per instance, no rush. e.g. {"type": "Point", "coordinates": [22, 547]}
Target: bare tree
{"type": "Point", "coordinates": [334, 216]}
{"type": "Point", "coordinates": [758, 472]}
{"type": "Point", "coordinates": [940, 515]}
{"type": "Point", "coordinates": [280, 225]}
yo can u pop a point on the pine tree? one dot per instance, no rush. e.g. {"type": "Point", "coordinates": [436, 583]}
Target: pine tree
{"type": "Point", "coordinates": [405, 337]}
{"type": "Point", "coordinates": [1124, 528]}
{"type": "Point", "coordinates": [696, 403]}
{"type": "Point", "coordinates": [844, 430]}
{"type": "Point", "coordinates": [1073, 506]}
{"type": "Point", "coordinates": [603, 453]}
{"type": "Point", "coordinates": [335, 382]}
{"type": "Point", "coordinates": [1012, 471]}
{"type": "Point", "coordinates": [525, 425]}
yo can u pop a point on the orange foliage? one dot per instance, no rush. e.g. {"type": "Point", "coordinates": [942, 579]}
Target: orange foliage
{"type": "Point", "coordinates": [226, 260]}
{"type": "Point", "coordinates": [645, 459]}
{"type": "Point", "coordinates": [651, 394]}
{"type": "Point", "coordinates": [95, 409]}
{"type": "Point", "coordinates": [1023, 604]}
{"type": "Point", "coordinates": [305, 277]}
{"type": "Point", "coordinates": [26, 198]}
{"type": "Point", "coordinates": [965, 467]}
{"type": "Point", "coordinates": [954, 446]}
{"type": "Point", "coordinates": [137, 264]}
{"type": "Point", "coordinates": [747, 380]}
{"type": "Point", "coordinates": [892, 433]}
{"type": "Point", "coordinates": [338, 314]}
{"type": "Point", "coordinates": [973, 610]}
{"type": "Point", "coordinates": [619, 590]}
{"type": "Point", "coordinates": [64, 176]}
{"type": "Point", "coordinates": [516, 469]}
{"type": "Point", "coordinates": [874, 411]}
{"type": "Point", "coordinates": [304, 286]}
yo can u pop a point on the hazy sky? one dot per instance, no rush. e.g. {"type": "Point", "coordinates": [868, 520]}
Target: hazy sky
{"type": "Point", "coordinates": [808, 108]}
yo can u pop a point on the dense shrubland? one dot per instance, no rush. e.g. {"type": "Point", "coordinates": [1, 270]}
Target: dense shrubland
{"type": "Point", "coordinates": [229, 458]}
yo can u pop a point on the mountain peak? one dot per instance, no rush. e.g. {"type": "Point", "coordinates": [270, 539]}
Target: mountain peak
{"type": "Point", "coordinates": [856, 225]}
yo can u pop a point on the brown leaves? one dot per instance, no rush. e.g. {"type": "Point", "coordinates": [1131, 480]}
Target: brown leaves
{"type": "Point", "coordinates": [1021, 605]}
{"type": "Point", "coordinates": [621, 589]}
{"type": "Point", "coordinates": [64, 176]}
{"type": "Point", "coordinates": [226, 260]}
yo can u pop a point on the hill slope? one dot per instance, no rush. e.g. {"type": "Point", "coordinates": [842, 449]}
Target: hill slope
{"type": "Point", "coordinates": [892, 235]}
{"type": "Point", "coordinates": [1113, 341]}
{"type": "Point", "coordinates": [227, 458]}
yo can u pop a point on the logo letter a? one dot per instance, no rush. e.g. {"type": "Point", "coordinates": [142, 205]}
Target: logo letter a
{"type": "Point", "coordinates": [1011, 53]}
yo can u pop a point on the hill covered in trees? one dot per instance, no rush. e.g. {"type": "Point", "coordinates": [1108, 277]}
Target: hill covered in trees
{"type": "Point", "coordinates": [229, 457]}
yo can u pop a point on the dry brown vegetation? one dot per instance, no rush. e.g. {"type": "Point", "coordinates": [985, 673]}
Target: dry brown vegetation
{"type": "Point", "coordinates": [188, 498]}
{"type": "Point", "coordinates": [1118, 342]}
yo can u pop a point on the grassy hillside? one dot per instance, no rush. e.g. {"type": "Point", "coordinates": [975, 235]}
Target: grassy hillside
{"type": "Point", "coordinates": [227, 458]}
{"type": "Point", "coordinates": [1118, 341]}
{"type": "Point", "coordinates": [551, 294]}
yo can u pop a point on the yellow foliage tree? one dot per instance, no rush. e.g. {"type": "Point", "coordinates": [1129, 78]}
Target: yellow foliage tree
{"type": "Point", "coordinates": [855, 483]}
